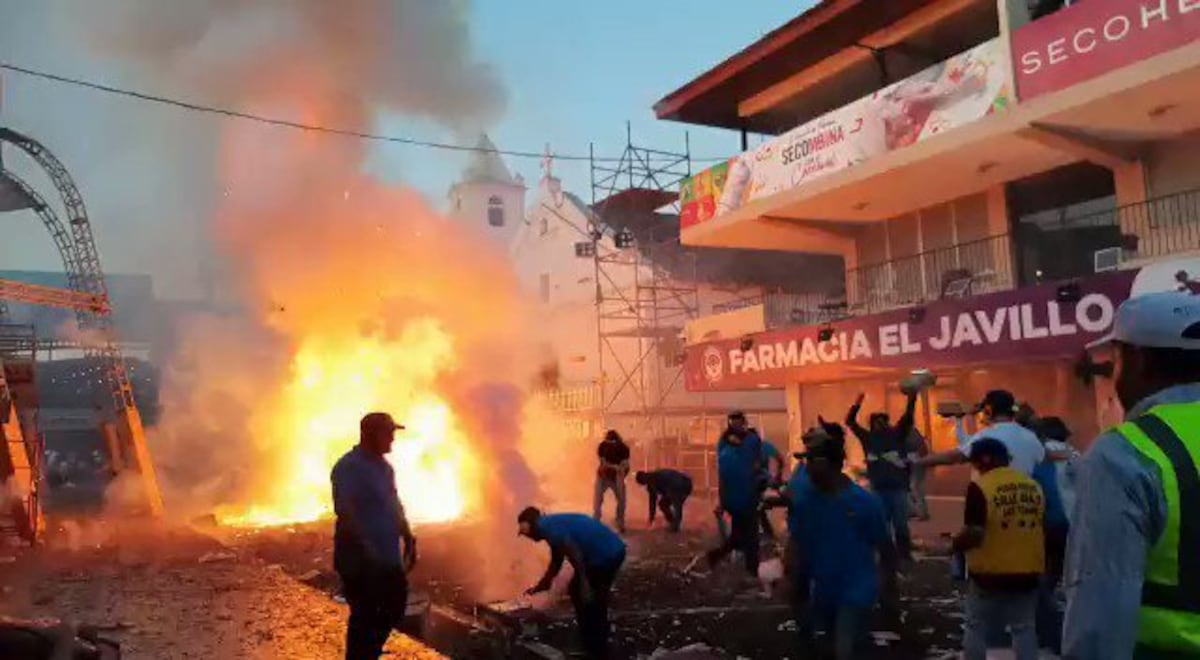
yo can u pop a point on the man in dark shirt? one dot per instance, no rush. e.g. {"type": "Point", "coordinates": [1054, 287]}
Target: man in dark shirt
{"type": "Point", "coordinates": [667, 490]}
{"type": "Point", "coordinates": [366, 540]}
{"type": "Point", "coordinates": [610, 475]}
{"type": "Point", "coordinates": [886, 450]}
{"type": "Point", "coordinates": [596, 555]}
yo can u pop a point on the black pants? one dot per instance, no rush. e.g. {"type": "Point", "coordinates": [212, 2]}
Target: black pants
{"type": "Point", "coordinates": [743, 536]}
{"type": "Point", "coordinates": [671, 507]}
{"type": "Point", "coordinates": [377, 599]}
{"type": "Point", "coordinates": [591, 616]}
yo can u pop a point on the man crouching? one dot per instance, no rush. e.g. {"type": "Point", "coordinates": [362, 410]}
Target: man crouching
{"type": "Point", "coordinates": [595, 553]}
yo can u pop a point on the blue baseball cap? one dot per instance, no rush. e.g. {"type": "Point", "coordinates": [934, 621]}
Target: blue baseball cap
{"type": "Point", "coordinates": [1157, 320]}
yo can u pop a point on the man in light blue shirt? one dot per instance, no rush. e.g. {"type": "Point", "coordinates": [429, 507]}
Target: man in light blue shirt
{"type": "Point", "coordinates": [1121, 507]}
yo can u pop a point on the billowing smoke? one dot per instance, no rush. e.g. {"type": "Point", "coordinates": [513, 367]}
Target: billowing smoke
{"type": "Point", "coordinates": [352, 295]}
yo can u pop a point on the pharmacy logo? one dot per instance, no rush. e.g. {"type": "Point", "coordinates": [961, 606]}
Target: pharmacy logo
{"type": "Point", "coordinates": [714, 364]}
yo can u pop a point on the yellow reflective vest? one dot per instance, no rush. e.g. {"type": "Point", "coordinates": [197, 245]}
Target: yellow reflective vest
{"type": "Point", "coordinates": [1013, 538]}
{"type": "Point", "coordinates": [1169, 619]}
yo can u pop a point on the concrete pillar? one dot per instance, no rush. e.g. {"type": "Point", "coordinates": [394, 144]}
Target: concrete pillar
{"type": "Point", "coordinates": [1130, 182]}
{"type": "Point", "coordinates": [1013, 15]}
{"type": "Point", "coordinates": [795, 418]}
{"type": "Point", "coordinates": [1004, 250]}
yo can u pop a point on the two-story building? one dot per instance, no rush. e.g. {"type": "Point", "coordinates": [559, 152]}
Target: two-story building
{"type": "Point", "coordinates": [995, 182]}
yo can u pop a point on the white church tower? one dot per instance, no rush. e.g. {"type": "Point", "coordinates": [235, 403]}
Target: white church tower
{"type": "Point", "coordinates": [488, 196]}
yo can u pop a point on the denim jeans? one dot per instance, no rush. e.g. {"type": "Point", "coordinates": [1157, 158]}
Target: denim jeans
{"type": "Point", "coordinates": [895, 514]}
{"type": "Point", "coordinates": [916, 493]}
{"type": "Point", "coordinates": [995, 611]}
{"type": "Point", "coordinates": [617, 486]}
{"type": "Point", "coordinates": [847, 630]}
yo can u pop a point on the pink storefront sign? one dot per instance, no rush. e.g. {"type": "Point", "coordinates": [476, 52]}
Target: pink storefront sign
{"type": "Point", "coordinates": [1094, 37]}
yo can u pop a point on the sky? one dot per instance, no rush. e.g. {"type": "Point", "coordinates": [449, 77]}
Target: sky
{"type": "Point", "coordinates": [573, 74]}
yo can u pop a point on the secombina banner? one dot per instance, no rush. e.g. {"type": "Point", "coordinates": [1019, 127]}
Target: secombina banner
{"type": "Point", "coordinates": [952, 93]}
{"type": "Point", "coordinates": [1017, 325]}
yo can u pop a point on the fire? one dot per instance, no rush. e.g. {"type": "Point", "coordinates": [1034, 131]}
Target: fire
{"type": "Point", "coordinates": [333, 382]}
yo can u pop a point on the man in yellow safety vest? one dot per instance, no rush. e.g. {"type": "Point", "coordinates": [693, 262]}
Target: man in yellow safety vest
{"type": "Point", "coordinates": [1133, 563]}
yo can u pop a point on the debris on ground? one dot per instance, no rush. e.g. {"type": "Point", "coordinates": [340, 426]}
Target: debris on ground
{"type": "Point", "coordinates": [216, 556]}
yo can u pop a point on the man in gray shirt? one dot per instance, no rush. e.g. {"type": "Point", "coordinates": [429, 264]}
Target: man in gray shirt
{"type": "Point", "coordinates": [1118, 545]}
{"type": "Point", "coordinates": [366, 539]}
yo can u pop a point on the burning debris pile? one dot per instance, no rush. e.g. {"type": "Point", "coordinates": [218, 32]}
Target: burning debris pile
{"type": "Point", "coordinates": [354, 295]}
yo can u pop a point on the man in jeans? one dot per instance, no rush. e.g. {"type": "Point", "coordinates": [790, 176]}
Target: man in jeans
{"type": "Point", "coordinates": [610, 475]}
{"type": "Point", "coordinates": [366, 539]}
{"type": "Point", "coordinates": [596, 555]}
{"type": "Point", "coordinates": [1003, 539]}
{"type": "Point", "coordinates": [886, 450]}
{"type": "Point", "coordinates": [840, 546]}
{"type": "Point", "coordinates": [739, 475]}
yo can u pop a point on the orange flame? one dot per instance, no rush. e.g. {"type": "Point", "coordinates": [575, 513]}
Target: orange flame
{"type": "Point", "coordinates": [333, 382]}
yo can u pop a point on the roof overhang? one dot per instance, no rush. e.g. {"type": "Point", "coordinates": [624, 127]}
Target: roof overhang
{"type": "Point", "coordinates": [825, 29]}
{"type": "Point", "coordinates": [1107, 120]}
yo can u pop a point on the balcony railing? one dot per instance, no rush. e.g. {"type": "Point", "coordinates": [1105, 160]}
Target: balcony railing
{"type": "Point", "coordinates": [781, 309]}
{"type": "Point", "coordinates": [1154, 228]}
{"type": "Point", "coordinates": [581, 398]}
{"type": "Point", "coordinates": [956, 271]}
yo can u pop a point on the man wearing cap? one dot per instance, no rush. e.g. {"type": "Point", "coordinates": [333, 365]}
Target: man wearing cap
{"type": "Point", "coordinates": [999, 408]}
{"type": "Point", "coordinates": [1133, 557]}
{"type": "Point", "coordinates": [739, 475]}
{"type": "Point", "coordinates": [596, 555]}
{"type": "Point", "coordinates": [1002, 537]}
{"type": "Point", "coordinates": [837, 530]}
{"type": "Point", "coordinates": [367, 536]}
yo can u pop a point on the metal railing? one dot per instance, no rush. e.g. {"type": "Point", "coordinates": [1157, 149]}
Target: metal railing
{"type": "Point", "coordinates": [579, 398]}
{"type": "Point", "coordinates": [956, 271]}
{"type": "Point", "coordinates": [781, 309]}
{"type": "Point", "coordinates": [1154, 228]}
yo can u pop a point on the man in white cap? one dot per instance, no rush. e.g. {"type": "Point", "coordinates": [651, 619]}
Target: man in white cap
{"type": "Point", "coordinates": [1133, 562]}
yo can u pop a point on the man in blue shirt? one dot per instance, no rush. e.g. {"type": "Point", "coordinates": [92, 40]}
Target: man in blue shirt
{"type": "Point", "coordinates": [739, 465]}
{"type": "Point", "coordinates": [595, 553]}
{"type": "Point", "coordinates": [366, 539]}
{"type": "Point", "coordinates": [838, 530]}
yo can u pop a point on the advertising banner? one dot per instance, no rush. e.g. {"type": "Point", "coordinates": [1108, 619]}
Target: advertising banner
{"type": "Point", "coordinates": [1091, 38]}
{"type": "Point", "coordinates": [947, 95]}
{"type": "Point", "coordinates": [1018, 325]}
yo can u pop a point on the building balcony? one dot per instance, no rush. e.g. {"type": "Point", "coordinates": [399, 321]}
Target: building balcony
{"type": "Point", "coordinates": [1103, 81]}
{"type": "Point", "coordinates": [1050, 247]}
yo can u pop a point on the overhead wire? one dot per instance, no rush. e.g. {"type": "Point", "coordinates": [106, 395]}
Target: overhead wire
{"type": "Point", "coordinates": [306, 126]}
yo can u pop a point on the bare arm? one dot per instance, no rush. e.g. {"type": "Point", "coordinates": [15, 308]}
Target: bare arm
{"type": "Point", "coordinates": [948, 457]}
{"type": "Point", "coordinates": [905, 422]}
{"type": "Point", "coordinates": [557, 554]}
{"type": "Point", "coordinates": [852, 419]}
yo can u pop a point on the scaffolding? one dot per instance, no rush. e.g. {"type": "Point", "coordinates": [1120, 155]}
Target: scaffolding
{"type": "Point", "coordinates": [646, 288]}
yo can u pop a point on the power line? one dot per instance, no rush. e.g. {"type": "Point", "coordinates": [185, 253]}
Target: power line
{"type": "Point", "coordinates": [287, 123]}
